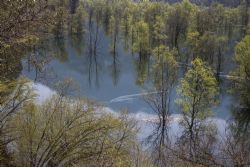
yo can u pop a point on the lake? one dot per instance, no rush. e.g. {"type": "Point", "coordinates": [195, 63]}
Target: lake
{"type": "Point", "coordinates": [108, 79]}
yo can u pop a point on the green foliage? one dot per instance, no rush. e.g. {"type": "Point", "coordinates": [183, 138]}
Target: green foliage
{"type": "Point", "coordinates": [242, 57]}
{"type": "Point", "coordinates": [141, 44]}
{"type": "Point", "coordinates": [23, 24]}
{"type": "Point", "coordinates": [8, 87]}
{"type": "Point", "coordinates": [177, 23]}
{"type": "Point", "coordinates": [242, 73]}
{"type": "Point", "coordinates": [65, 133]}
{"type": "Point", "coordinates": [142, 72]}
{"type": "Point", "coordinates": [13, 95]}
{"type": "Point", "coordinates": [77, 21]}
{"type": "Point", "coordinates": [198, 91]}
{"type": "Point", "coordinates": [209, 46]}
{"type": "Point", "coordinates": [164, 68]}
{"type": "Point", "coordinates": [59, 22]}
{"type": "Point", "coordinates": [61, 132]}
{"type": "Point", "coordinates": [159, 31]}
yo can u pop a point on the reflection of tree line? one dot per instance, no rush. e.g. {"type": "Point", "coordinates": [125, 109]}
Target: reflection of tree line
{"type": "Point", "coordinates": [94, 53]}
{"type": "Point", "coordinates": [40, 55]}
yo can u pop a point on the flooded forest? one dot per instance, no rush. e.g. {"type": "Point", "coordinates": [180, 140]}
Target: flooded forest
{"type": "Point", "coordinates": [124, 83]}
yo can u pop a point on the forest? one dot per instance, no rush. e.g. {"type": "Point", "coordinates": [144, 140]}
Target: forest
{"type": "Point", "coordinates": [140, 83]}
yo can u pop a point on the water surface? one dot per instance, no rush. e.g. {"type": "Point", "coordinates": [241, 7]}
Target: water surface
{"type": "Point", "coordinates": [110, 79]}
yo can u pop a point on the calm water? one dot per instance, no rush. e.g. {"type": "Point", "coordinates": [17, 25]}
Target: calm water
{"type": "Point", "coordinates": [103, 77]}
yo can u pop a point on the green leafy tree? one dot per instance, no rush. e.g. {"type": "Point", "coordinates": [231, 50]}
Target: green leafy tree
{"type": "Point", "coordinates": [209, 46]}
{"type": "Point", "coordinates": [13, 95]}
{"type": "Point", "coordinates": [198, 90]}
{"type": "Point", "coordinates": [242, 73]}
{"type": "Point", "coordinates": [141, 44]}
{"type": "Point", "coordinates": [77, 21]}
{"type": "Point", "coordinates": [59, 22]}
{"type": "Point", "coordinates": [164, 76]}
{"type": "Point", "coordinates": [60, 132]}
{"type": "Point", "coordinates": [159, 31]}
{"type": "Point", "coordinates": [22, 23]}
{"type": "Point", "coordinates": [177, 23]}
{"type": "Point", "coordinates": [244, 16]}
{"type": "Point", "coordinates": [237, 144]}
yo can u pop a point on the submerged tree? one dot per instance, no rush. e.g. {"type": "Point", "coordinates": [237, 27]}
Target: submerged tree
{"type": "Point", "coordinates": [66, 132]}
{"type": "Point", "coordinates": [141, 44]}
{"type": "Point", "coordinates": [77, 20]}
{"type": "Point", "coordinates": [209, 47]}
{"type": "Point", "coordinates": [22, 23]}
{"type": "Point", "coordinates": [114, 30]}
{"type": "Point", "coordinates": [177, 22]}
{"type": "Point", "coordinates": [159, 31]}
{"type": "Point", "coordinates": [164, 73]}
{"type": "Point", "coordinates": [236, 144]}
{"type": "Point", "coordinates": [242, 73]}
{"type": "Point", "coordinates": [235, 148]}
{"type": "Point", "coordinates": [198, 91]}
{"type": "Point", "coordinates": [114, 33]}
